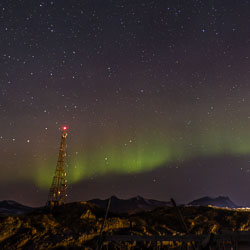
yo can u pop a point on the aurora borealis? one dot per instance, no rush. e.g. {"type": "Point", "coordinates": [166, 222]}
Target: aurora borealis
{"type": "Point", "coordinates": [156, 95]}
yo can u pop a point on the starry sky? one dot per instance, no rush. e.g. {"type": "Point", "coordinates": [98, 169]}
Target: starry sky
{"type": "Point", "coordinates": [156, 94]}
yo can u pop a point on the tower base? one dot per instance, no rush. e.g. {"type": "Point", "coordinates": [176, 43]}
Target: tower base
{"type": "Point", "coordinates": [54, 203]}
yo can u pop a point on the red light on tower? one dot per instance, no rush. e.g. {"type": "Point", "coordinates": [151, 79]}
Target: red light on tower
{"type": "Point", "coordinates": [64, 128]}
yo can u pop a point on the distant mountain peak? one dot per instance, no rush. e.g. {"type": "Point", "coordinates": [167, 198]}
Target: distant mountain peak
{"type": "Point", "coordinates": [220, 201]}
{"type": "Point", "coordinates": [10, 207]}
{"type": "Point", "coordinates": [113, 197]}
{"type": "Point", "coordinates": [132, 205]}
{"type": "Point", "coordinates": [138, 197]}
{"type": "Point", "coordinates": [9, 202]}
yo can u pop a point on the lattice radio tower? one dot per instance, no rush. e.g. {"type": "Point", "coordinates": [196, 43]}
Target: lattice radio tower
{"type": "Point", "coordinates": [57, 193]}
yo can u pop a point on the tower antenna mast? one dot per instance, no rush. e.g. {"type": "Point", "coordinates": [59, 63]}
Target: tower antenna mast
{"type": "Point", "coordinates": [57, 193]}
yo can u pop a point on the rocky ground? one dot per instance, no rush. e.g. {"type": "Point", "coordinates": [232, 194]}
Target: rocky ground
{"type": "Point", "coordinates": [77, 225]}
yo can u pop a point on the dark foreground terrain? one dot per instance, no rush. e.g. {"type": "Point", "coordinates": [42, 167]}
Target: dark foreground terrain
{"type": "Point", "coordinates": [78, 225]}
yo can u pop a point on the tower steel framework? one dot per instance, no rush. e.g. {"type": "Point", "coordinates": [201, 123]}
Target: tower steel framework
{"type": "Point", "coordinates": [57, 193]}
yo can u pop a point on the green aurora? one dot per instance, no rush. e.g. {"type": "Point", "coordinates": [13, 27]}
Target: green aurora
{"type": "Point", "coordinates": [143, 155]}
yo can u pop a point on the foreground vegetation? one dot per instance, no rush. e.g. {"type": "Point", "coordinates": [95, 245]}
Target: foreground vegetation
{"type": "Point", "coordinates": [78, 225]}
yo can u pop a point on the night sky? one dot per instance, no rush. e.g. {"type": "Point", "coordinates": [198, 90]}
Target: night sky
{"type": "Point", "coordinates": [156, 95]}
